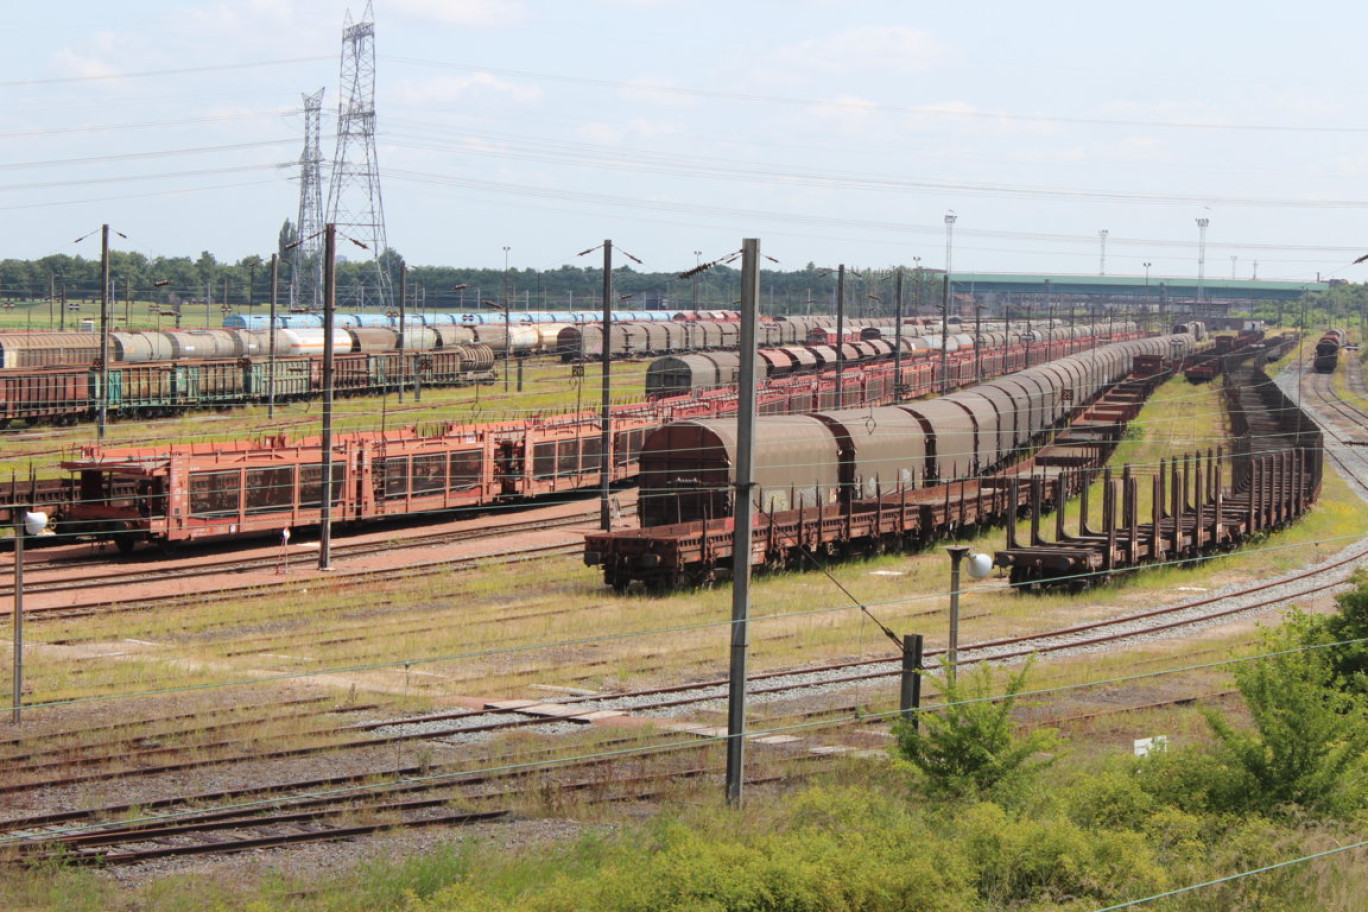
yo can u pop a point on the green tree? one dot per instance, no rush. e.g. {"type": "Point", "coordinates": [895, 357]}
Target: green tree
{"type": "Point", "coordinates": [287, 236]}
{"type": "Point", "coordinates": [970, 748]}
{"type": "Point", "coordinates": [206, 267]}
{"type": "Point", "coordinates": [1308, 746]}
{"type": "Point", "coordinates": [1344, 635]}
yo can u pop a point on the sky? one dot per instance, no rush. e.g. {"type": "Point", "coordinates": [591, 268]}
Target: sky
{"type": "Point", "coordinates": [522, 132]}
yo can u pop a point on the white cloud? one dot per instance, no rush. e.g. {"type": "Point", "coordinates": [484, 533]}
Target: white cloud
{"type": "Point", "coordinates": [891, 49]}
{"type": "Point", "coordinates": [605, 134]}
{"type": "Point", "coordinates": [70, 63]}
{"type": "Point", "coordinates": [258, 26]}
{"type": "Point", "coordinates": [451, 89]}
{"type": "Point", "coordinates": [601, 133]}
{"type": "Point", "coordinates": [467, 13]}
{"type": "Point", "coordinates": [658, 93]}
{"type": "Point", "coordinates": [848, 112]}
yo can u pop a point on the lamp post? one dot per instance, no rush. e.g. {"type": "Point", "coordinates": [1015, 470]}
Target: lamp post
{"type": "Point", "coordinates": [698, 261]}
{"type": "Point", "coordinates": [271, 339]}
{"type": "Point", "coordinates": [945, 301]}
{"type": "Point", "coordinates": [326, 444]}
{"type": "Point", "coordinates": [102, 407]}
{"type": "Point", "coordinates": [403, 322]}
{"type": "Point", "coordinates": [840, 334]}
{"type": "Point", "coordinates": [508, 343]}
{"type": "Point", "coordinates": [956, 553]}
{"type": "Point", "coordinates": [917, 292]}
{"type": "Point", "coordinates": [978, 342]}
{"type": "Point", "coordinates": [1102, 264]}
{"type": "Point", "coordinates": [1201, 263]}
{"type": "Point", "coordinates": [25, 523]}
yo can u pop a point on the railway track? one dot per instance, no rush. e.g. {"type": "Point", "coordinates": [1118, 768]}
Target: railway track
{"type": "Point", "coordinates": [424, 794]}
{"type": "Point", "coordinates": [308, 810]}
{"type": "Point", "coordinates": [51, 591]}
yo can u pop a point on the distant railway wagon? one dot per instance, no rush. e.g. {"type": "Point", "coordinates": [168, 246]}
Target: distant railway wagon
{"type": "Point", "coordinates": [363, 318]}
{"type": "Point", "coordinates": [687, 469]}
{"type": "Point", "coordinates": [1328, 349]}
{"type": "Point", "coordinates": [851, 480]}
{"type": "Point", "coordinates": [183, 493]}
{"type": "Point", "coordinates": [68, 394]}
{"type": "Point", "coordinates": [239, 490]}
{"type": "Point", "coordinates": [48, 348]}
{"type": "Point", "coordinates": [627, 340]}
{"type": "Point", "coordinates": [676, 375]}
{"type": "Point", "coordinates": [1194, 328]}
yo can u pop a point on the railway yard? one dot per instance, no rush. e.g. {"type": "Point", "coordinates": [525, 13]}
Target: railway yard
{"type": "Point", "coordinates": [225, 711]}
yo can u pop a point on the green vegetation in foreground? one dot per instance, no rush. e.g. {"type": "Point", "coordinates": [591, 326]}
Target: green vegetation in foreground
{"type": "Point", "coordinates": [967, 813]}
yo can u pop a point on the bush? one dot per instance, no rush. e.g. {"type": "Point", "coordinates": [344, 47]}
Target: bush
{"type": "Point", "coordinates": [835, 850]}
{"type": "Point", "coordinates": [1347, 629]}
{"type": "Point", "coordinates": [1309, 746]}
{"type": "Point", "coordinates": [970, 748]}
{"type": "Point", "coordinates": [1051, 859]}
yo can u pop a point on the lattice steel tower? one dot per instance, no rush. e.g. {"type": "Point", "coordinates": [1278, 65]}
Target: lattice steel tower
{"type": "Point", "coordinates": [307, 262]}
{"type": "Point", "coordinates": [354, 203]}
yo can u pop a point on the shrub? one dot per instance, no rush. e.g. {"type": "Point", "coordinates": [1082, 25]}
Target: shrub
{"type": "Point", "coordinates": [1309, 746]}
{"type": "Point", "coordinates": [1052, 859]}
{"type": "Point", "coordinates": [836, 850]}
{"type": "Point", "coordinates": [970, 748]}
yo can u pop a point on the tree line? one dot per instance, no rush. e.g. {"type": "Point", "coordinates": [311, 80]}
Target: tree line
{"type": "Point", "coordinates": [246, 284]}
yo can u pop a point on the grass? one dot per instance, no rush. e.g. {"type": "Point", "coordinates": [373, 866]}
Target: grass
{"type": "Point", "coordinates": [472, 630]}
{"type": "Point", "coordinates": [513, 631]}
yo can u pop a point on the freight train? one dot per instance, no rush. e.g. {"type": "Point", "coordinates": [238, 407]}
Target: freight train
{"type": "Point", "coordinates": [1328, 349]}
{"type": "Point", "coordinates": [814, 472]}
{"type": "Point", "coordinates": [54, 378]}
{"type": "Point", "coordinates": [169, 495]}
{"type": "Point", "coordinates": [298, 333]}
{"type": "Point", "coordinates": [692, 373]}
{"type": "Point", "coordinates": [585, 342]}
{"type": "Point", "coordinates": [69, 394]}
{"type": "Point", "coordinates": [295, 320]}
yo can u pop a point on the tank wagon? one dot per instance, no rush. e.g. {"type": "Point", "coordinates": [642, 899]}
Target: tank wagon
{"type": "Point", "coordinates": [422, 318]}
{"type": "Point", "coordinates": [1328, 349]}
{"type": "Point", "coordinates": [82, 349]}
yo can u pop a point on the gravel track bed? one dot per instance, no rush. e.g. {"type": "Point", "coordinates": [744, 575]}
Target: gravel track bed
{"type": "Point", "coordinates": [321, 861]}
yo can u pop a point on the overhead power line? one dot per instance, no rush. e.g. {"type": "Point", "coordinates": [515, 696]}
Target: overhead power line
{"type": "Point", "coordinates": [864, 106]}
{"type": "Point", "coordinates": [144, 74]}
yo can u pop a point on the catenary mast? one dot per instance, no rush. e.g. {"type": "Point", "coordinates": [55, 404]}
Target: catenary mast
{"type": "Point", "coordinates": [354, 203]}
{"type": "Point", "coordinates": [307, 256]}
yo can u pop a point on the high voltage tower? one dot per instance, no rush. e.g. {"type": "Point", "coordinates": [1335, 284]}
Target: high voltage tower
{"type": "Point", "coordinates": [354, 204]}
{"type": "Point", "coordinates": [307, 290]}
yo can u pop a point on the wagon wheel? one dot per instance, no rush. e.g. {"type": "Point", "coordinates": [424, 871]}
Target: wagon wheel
{"type": "Point", "coordinates": [125, 542]}
{"type": "Point", "coordinates": [702, 577]}
{"type": "Point", "coordinates": [660, 585]}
